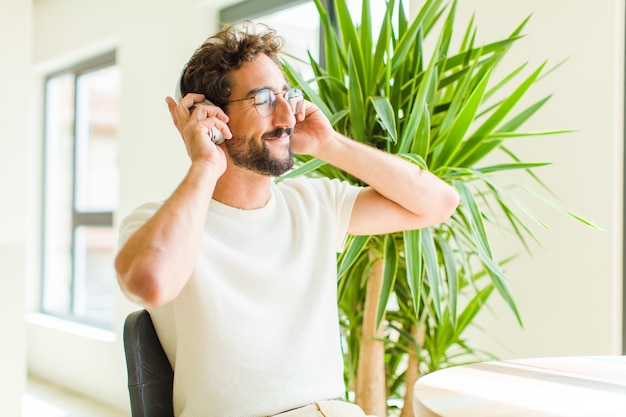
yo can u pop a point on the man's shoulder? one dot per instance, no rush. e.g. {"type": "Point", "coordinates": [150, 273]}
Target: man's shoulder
{"type": "Point", "coordinates": [140, 214]}
{"type": "Point", "coordinates": [137, 217]}
{"type": "Point", "coordinates": [148, 208]}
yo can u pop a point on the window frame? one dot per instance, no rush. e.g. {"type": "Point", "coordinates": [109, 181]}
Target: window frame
{"type": "Point", "coordinates": [79, 218]}
{"type": "Point", "coordinates": [251, 9]}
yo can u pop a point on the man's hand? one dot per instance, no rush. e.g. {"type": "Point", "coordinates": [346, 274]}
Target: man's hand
{"type": "Point", "coordinates": [312, 130]}
{"type": "Point", "coordinates": [194, 120]}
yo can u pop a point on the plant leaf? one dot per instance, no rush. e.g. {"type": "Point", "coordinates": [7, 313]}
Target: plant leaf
{"type": "Point", "coordinates": [384, 111]}
{"type": "Point", "coordinates": [390, 271]}
{"type": "Point", "coordinates": [431, 261]}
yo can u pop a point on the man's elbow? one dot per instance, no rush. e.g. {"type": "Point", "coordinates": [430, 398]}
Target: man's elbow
{"type": "Point", "coordinates": [452, 201]}
{"type": "Point", "coordinates": [448, 203]}
{"type": "Point", "coordinates": [141, 285]}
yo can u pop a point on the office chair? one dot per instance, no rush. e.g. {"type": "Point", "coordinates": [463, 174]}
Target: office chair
{"type": "Point", "coordinates": [150, 376]}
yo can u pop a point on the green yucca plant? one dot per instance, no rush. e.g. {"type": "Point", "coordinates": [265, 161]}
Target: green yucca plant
{"type": "Point", "coordinates": [406, 298]}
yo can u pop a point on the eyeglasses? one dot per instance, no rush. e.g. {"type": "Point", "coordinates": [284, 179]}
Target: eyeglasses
{"type": "Point", "coordinates": [265, 100]}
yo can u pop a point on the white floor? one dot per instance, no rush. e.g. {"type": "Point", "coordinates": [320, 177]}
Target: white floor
{"type": "Point", "coordinates": [45, 400]}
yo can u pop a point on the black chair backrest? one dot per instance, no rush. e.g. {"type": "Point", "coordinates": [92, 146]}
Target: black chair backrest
{"type": "Point", "coordinates": [150, 376]}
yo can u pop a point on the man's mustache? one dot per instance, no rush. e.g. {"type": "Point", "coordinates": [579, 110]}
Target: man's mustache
{"type": "Point", "coordinates": [278, 132]}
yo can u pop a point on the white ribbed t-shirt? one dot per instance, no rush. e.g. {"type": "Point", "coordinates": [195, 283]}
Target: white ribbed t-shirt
{"type": "Point", "coordinates": [255, 330]}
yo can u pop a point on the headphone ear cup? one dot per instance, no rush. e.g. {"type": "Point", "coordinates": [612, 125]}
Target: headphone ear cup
{"type": "Point", "coordinates": [216, 136]}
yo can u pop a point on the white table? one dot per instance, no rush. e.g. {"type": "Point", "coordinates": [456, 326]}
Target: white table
{"type": "Point", "coordinates": [591, 386]}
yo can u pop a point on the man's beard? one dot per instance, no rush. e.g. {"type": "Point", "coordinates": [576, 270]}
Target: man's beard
{"type": "Point", "coordinates": [257, 157]}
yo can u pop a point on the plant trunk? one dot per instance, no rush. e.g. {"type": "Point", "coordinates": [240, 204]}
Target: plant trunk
{"type": "Point", "coordinates": [412, 371]}
{"type": "Point", "coordinates": [371, 386]}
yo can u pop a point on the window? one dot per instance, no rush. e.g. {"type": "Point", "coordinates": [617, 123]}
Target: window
{"type": "Point", "coordinates": [290, 18]}
{"type": "Point", "coordinates": [80, 187]}
{"type": "Point", "coordinates": [298, 23]}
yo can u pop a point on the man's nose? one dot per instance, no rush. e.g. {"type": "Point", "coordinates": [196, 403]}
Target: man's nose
{"type": "Point", "coordinates": [283, 113]}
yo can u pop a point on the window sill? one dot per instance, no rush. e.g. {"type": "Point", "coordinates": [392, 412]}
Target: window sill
{"type": "Point", "coordinates": [72, 327]}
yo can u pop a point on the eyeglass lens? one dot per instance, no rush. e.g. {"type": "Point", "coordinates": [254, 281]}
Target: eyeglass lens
{"type": "Point", "coordinates": [265, 100]}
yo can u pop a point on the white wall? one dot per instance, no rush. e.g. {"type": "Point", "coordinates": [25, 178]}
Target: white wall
{"type": "Point", "coordinates": [15, 145]}
{"type": "Point", "coordinates": [568, 292]}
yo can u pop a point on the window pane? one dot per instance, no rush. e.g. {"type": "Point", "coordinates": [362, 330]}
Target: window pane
{"type": "Point", "coordinates": [299, 30]}
{"type": "Point", "coordinates": [97, 140]}
{"type": "Point", "coordinates": [94, 293]}
{"type": "Point", "coordinates": [377, 10]}
{"type": "Point", "coordinates": [58, 193]}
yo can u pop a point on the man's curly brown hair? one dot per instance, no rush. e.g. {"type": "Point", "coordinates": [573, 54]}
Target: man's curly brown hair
{"type": "Point", "coordinates": [208, 70]}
